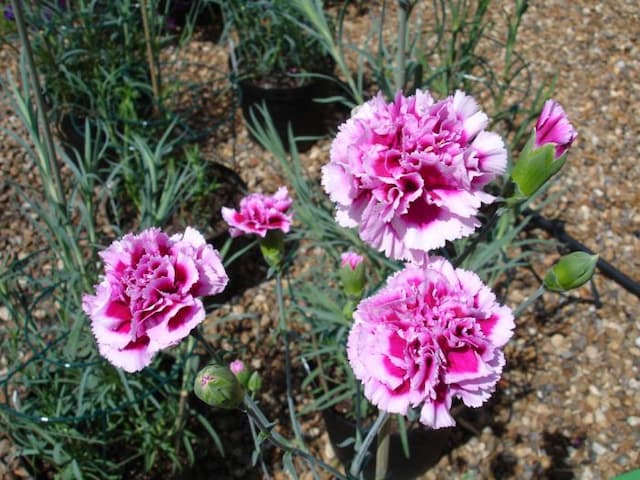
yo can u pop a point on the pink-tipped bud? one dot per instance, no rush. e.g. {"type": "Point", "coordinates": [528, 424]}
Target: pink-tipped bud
{"type": "Point", "coordinates": [241, 372]}
{"type": "Point", "coordinates": [350, 258]}
{"type": "Point", "coordinates": [553, 127]}
{"type": "Point", "coordinates": [545, 153]}
{"type": "Point", "coordinates": [352, 274]}
{"type": "Point", "coordinates": [236, 367]}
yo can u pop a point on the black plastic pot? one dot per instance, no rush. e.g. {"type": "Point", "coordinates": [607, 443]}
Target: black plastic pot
{"type": "Point", "coordinates": [293, 106]}
{"type": "Point", "coordinates": [207, 16]}
{"type": "Point", "coordinates": [426, 447]}
{"type": "Point", "coordinates": [70, 129]}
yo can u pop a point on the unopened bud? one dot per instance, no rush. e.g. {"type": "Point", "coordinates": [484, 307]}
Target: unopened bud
{"type": "Point", "coordinates": [571, 271]}
{"type": "Point", "coordinates": [255, 382]}
{"type": "Point", "coordinates": [240, 371]}
{"type": "Point", "coordinates": [272, 248]}
{"type": "Point", "coordinates": [545, 152]}
{"type": "Point", "coordinates": [352, 274]}
{"type": "Point", "coordinates": [535, 167]}
{"type": "Point", "coordinates": [216, 385]}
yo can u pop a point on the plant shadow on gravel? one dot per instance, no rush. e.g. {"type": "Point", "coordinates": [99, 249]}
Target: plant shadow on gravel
{"type": "Point", "coordinates": [557, 447]}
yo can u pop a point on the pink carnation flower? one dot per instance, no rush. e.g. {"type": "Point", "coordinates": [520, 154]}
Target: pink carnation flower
{"type": "Point", "coordinates": [148, 297]}
{"type": "Point", "coordinates": [409, 174]}
{"type": "Point", "coordinates": [431, 334]}
{"type": "Point", "coordinates": [350, 258]}
{"type": "Point", "coordinates": [553, 127]}
{"type": "Point", "coordinates": [259, 213]}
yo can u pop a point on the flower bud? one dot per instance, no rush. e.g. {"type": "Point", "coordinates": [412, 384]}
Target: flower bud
{"type": "Point", "coordinates": [272, 248]}
{"type": "Point", "coordinates": [255, 382]}
{"type": "Point", "coordinates": [240, 371]}
{"type": "Point", "coordinates": [571, 271]}
{"type": "Point", "coordinates": [216, 385]}
{"type": "Point", "coordinates": [352, 274]}
{"type": "Point", "coordinates": [545, 152]}
{"type": "Point", "coordinates": [534, 168]}
{"type": "Point", "coordinates": [553, 128]}
{"type": "Point", "coordinates": [236, 366]}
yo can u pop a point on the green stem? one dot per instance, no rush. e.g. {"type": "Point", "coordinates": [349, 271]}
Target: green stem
{"type": "Point", "coordinates": [51, 164]}
{"type": "Point", "coordinates": [184, 391]}
{"type": "Point", "coordinates": [402, 38]}
{"type": "Point", "coordinates": [486, 228]}
{"type": "Point", "coordinates": [382, 451]}
{"type": "Point", "coordinates": [52, 181]}
{"type": "Point", "coordinates": [155, 78]}
{"type": "Point", "coordinates": [281, 442]}
{"type": "Point", "coordinates": [261, 421]}
{"type": "Point", "coordinates": [283, 330]}
{"type": "Point", "coordinates": [356, 465]}
{"type": "Point", "coordinates": [256, 445]}
{"type": "Point", "coordinates": [532, 298]}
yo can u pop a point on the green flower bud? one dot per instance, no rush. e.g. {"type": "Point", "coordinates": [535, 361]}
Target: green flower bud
{"type": "Point", "coordinates": [255, 382]}
{"type": "Point", "coordinates": [216, 385]}
{"type": "Point", "coordinates": [535, 166]}
{"type": "Point", "coordinates": [272, 248]}
{"type": "Point", "coordinates": [240, 371]}
{"type": "Point", "coordinates": [352, 274]}
{"type": "Point", "coordinates": [571, 271]}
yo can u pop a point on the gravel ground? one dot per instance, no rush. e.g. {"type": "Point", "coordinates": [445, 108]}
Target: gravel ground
{"type": "Point", "coordinates": [567, 407]}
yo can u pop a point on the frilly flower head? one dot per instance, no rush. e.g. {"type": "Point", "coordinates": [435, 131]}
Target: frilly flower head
{"type": "Point", "coordinates": [409, 174]}
{"type": "Point", "coordinates": [553, 127]}
{"type": "Point", "coordinates": [431, 334]}
{"type": "Point", "coordinates": [148, 298]}
{"type": "Point", "coordinates": [260, 213]}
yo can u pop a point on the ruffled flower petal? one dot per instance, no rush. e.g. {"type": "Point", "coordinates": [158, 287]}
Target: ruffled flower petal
{"type": "Point", "coordinates": [553, 127]}
{"type": "Point", "coordinates": [260, 213]}
{"type": "Point", "coordinates": [433, 333]}
{"type": "Point", "coordinates": [148, 298]}
{"type": "Point", "coordinates": [408, 173]}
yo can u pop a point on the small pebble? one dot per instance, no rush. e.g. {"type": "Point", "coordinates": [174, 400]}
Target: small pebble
{"type": "Point", "coordinates": [598, 448]}
{"type": "Point", "coordinates": [633, 421]}
{"type": "Point", "coordinates": [557, 341]}
{"type": "Point", "coordinates": [5, 446]}
{"type": "Point", "coordinates": [591, 352]}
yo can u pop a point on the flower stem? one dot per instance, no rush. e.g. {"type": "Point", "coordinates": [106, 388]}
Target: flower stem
{"type": "Point", "coordinates": [197, 334]}
{"type": "Point", "coordinates": [281, 442]}
{"type": "Point", "coordinates": [486, 228]}
{"type": "Point", "coordinates": [356, 465]}
{"type": "Point", "coordinates": [532, 298]}
{"type": "Point", "coordinates": [402, 37]}
{"type": "Point", "coordinates": [382, 451]}
{"type": "Point", "coordinates": [48, 160]}
{"type": "Point", "coordinates": [257, 417]}
{"type": "Point", "coordinates": [155, 77]}
{"type": "Point", "coordinates": [51, 165]}
{"type": "Point", "coordinates": [256, 444]}
{"type": "Point", "coordinates": [283, 330]}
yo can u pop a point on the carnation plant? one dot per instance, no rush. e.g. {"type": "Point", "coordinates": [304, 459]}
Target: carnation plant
{"type": "Point", "coordinates": [431, 335]}
{"type": "Point", "coordinates": [417, 216]}
{"type": "Point", "coordinates": [68, 410]}
{"type": "Point", "coordinates": [63, 41]}
{"type": "Point", "coordinates": [274, 44]}
{"type": "Point", "coordinates": [422, 332]}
